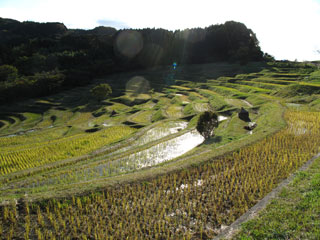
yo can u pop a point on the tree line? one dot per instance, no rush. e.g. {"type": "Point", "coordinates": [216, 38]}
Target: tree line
{"type": "Point", "coordinates": [38, 59]}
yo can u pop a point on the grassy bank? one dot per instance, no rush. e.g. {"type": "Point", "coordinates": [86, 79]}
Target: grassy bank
{"type": "Point", "coordinates": [294, 214]}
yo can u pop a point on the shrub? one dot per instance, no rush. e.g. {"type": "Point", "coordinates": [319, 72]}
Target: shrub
{"type": "Point", "coordinates": [207, 122]}
{"type": "Point", "coordinates": [8, 73]}
{"type": "Point", "coordinates": [102, 91]}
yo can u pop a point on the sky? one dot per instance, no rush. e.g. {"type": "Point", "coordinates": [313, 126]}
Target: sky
{"type": "Point", "coordinates": [286, 29]}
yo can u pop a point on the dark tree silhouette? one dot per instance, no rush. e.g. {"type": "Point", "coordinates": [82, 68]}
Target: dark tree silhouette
{"type": "Point", "coordinates": [206, 124]}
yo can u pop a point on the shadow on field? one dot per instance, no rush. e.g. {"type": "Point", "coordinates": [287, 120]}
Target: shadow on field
{"type": "Point", "coordinates": [215, 139]}
{"type": "Point", "coordinates": [80, 99]}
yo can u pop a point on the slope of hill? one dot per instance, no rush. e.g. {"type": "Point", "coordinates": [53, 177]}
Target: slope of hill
{"type": "Point", "coordinates": [48, 57]}
{"type": "Point", "coordinates": [72, 167]}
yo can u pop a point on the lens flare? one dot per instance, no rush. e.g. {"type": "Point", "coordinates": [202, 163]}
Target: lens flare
{"type": "Point", "coordinates": [129, 43]}
{"type": "Point", "coordinates": [174, 65]}
{"type": "Point", "coordinates": [137, 85]}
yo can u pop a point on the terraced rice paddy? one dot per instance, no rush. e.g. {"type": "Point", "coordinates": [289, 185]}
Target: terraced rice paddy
{"type": "Point", "coordinates": [118, 163]}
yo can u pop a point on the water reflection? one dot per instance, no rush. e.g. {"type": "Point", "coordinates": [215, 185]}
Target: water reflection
{"type": "Point", "coordinates": [167, 150]}
{"type": "Point", "coordinates": [221, 118]}
{"type": "Point", "coordinates": [154, 155]}
{"type": "Point", "coordinates": [162, 152]}
{"type": "Point", "coordinates": [156, 133]}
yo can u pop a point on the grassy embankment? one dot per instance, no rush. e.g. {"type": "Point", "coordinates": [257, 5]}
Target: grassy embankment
{"type": "Point", "coordinates": [294, 214]}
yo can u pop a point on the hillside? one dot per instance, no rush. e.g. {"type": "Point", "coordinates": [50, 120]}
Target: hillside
{"type": "Point", "coordinates": [75, 167]}
{"type": "Point", "coordinates": [37, 59]}
{"type": "Point", "coordinates": [82, 160]}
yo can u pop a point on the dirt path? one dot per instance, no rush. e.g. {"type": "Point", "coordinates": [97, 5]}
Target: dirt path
{"type": "Point", "coordinates": [246, 102]}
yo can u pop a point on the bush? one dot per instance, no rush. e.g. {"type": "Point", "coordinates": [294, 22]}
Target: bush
{"type": "Point", "coordinates": [102, 91]}
{"type": "Point", "coordinates": [8, 73]}
{"type": "Point", "coordinates": [207, 122]}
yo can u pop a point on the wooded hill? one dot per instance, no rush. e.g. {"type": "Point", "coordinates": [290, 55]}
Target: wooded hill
{"type": "Point", "coordinates": [38, 59]}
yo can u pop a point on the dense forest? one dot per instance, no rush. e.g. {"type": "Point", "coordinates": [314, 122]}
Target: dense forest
{"type": "Point", "coordinates": [38, 59]}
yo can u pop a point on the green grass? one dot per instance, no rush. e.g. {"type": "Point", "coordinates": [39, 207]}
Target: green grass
{"type": "Point", "coordinates": [315, 104]}
{"type": "Point", "coordinates": [32, 154]}
{"type": "Point", "coordinates": [75, 112]}
{"type": "Point", "coordinates": [188, 110]}
{"type": "Point", "coordinates": [181, 88]}
{"type": "Point", "coordinates": [237, 103]}
{"type": "Point", "coordinates": [274, 80]}
{"type": "Point", "coordinates": [131, 99]}
{"type": "Point", "coordinates": [194, 96]}
{"type": "Point", "coordinates": [314, 77]}
{"type": "Point", "coordinates": [142, 117]}
{"type": "Point", "coordinates": [247, 88]}
{"type": "Point", "coordinates": [294, 214]}
{"type": "Point", "coordinates": [118, 107]}
{"type": "Point", "coordinates": [33, 137]}
{"type": "Point", "coordinates": [174, 111]}
{"type": "Point", "coordinates": [270, 86]}
{"type": "Point", "coordinates": [299, 90]}
{"type": "Point", "coordinates": [216, 101]}
{"type": "Point", "coordinates": [157, 116]}
{"type": "Point", "coordinates": [226, 91]}
{"type": "Point", "coordinates": [259, 99]}
{"type": "Point", "coordinates": [14, 124]}
{"type": "Point", "coordinates": [316, 85]}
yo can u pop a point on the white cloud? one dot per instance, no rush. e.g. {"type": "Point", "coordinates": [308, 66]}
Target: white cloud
{"type": "Point", "coordinates": [286, 29]}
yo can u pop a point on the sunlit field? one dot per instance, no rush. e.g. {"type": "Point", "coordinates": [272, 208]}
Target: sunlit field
{"type": "Point", "coordinates": [74, 167]}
